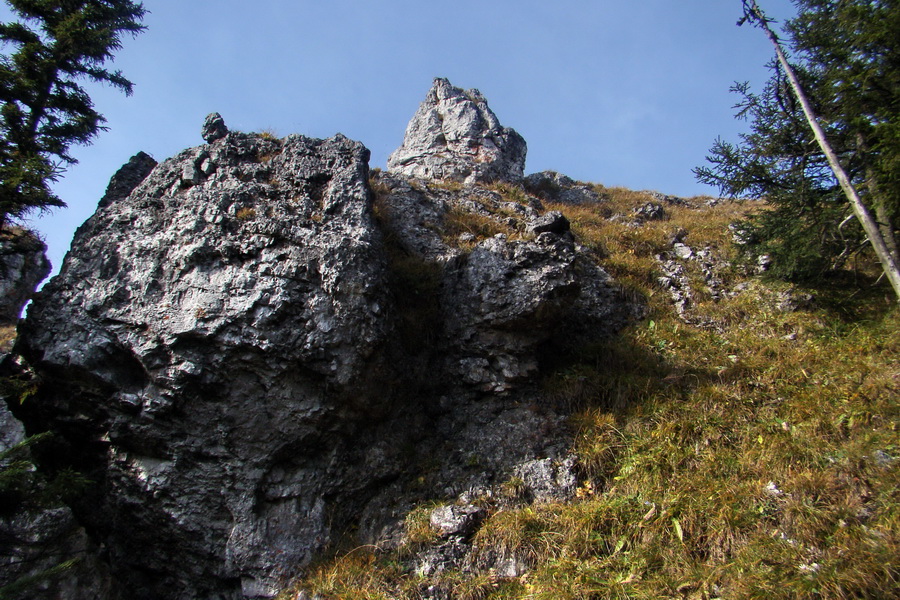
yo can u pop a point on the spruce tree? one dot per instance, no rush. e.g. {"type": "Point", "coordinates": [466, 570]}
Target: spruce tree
{"type": "Point", "coordinates": [845, 58]}
{"type": "Point", "coordinates": [44, 110]}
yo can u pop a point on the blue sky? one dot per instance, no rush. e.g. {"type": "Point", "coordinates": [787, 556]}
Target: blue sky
{"type": "Point", "coordinates": [625, 92]}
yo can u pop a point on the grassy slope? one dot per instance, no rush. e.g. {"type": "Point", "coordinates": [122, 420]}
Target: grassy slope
{"type": "Point", "coordinates": [750, 459]}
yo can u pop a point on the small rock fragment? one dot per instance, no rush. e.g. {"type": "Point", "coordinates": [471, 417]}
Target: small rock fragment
{"type": "Point", "coordinates": [551, 222]}
{"type": "Point", "coordinates": [683, 251]}
{"type": "Point", "coordinates": [452, 520]}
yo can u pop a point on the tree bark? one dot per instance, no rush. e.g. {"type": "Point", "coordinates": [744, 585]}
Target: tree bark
{"type": "Point", "coordinates": [869, 224]}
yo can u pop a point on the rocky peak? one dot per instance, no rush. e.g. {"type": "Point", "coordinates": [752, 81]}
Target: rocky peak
{"type": "Point", "coordinates": [213, 128]}
{"type": "Point", "coordinates": [128, 177]}
{"type": "Point", "coordinates": [455, 136]}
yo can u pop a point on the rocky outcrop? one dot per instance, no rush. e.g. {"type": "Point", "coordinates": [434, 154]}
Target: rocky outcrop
{"type": "Point", "coordinates": [128, 177]}
{"type": "Point", "coordinates": [23, 265]}
{"type": "Point", "coordinates": [520, 285]}
{"type": "Point", "coordinates": [257, 350]}
{"type": "Point", "coordinates": [455, 136]}
{"type": "Point", "coordinates": [551, 186]}
{"type": "Point", "coordinates": [204, 334]}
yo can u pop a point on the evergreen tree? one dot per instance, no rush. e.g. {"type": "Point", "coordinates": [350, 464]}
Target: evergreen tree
{"type": "Point", "coordinates": [55, 45]}
{"type": "Point", "coordinates": [846, 60]}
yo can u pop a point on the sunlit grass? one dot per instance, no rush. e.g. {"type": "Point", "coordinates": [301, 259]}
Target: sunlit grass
{"type": "Point", "coordinates": [756, 458]}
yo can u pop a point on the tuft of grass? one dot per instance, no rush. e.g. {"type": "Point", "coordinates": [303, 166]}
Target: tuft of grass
{"type": "Point", "coordinates": [245, 213]}
{"type": "Point", "coordinates": [458, 221]}
{"type": "Point", "coordinates": [7, 337]}
{"type": "Point", "coordinates": [269, 133]}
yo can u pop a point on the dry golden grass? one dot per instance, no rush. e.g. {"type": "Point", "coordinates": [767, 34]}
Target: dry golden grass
{"type": "Point", "coordinates": [7, 337]}
{"type": "Point", "coordinates": [756, 459]}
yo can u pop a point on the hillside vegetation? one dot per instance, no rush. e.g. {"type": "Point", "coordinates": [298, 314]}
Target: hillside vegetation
{"type": "Point", "coordinates": [745, 448]}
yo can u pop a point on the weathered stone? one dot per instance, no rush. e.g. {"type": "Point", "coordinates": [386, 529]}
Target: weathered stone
{"type": "Point", "coordinates": [128, 177]}
{"type": "Point", "coordinates": [208, 349]}
{"type": "Point", "coordinates": [674, 280]}
{"type": "Point", "coordinates": [667, 199]}
{"type": "Point", "coordinates": [789, 301]}
{"type": "Point", "coordinates": [555, 187]}
{"type": "Point", "coordinates": [23, 265]}
{"type": "Point", "coordinates": [509, 297]}
{"type": "Point", "coordinates": [446, 556]}
{"type": "Point", "coordinates": [650, 211]}
{"type": "Point", "coordinates": [550, 222]}
{"type": "Point", "coordinates": [682, 251]}
{"type": "Point", "coordinates": [455, 136]}
{"type": "Point", "coordinates": [456, 520]}
{"type": "Point", "coordinates": [549, 480]}
{"type": "Point", "coordinates": [213, 128]}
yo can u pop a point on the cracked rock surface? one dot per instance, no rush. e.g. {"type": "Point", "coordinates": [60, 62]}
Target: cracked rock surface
{"type": "Point", "coordinates": [252, 350]}
{"type": "Point", "coordinates": [455, 136]}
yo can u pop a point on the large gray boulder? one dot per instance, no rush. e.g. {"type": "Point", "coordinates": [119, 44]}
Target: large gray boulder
{"type": "Point", "coordinates": [522, 285]}
{"type": "Point", "coordinates": [455, 136]}
{"type": "Point", "coordinates": [204, 336]}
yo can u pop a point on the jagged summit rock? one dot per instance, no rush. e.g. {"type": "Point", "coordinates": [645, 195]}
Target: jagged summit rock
{"type": "Point", "coordinates": [455, 136]}
{"type": "Point", "coordinates": [213, 128]}
{"type": "Point", "coordinates": [128, 177]}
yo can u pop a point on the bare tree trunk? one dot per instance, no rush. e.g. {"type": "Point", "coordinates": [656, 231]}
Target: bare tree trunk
{"type": "Point", "coordinates": [887, 229]}
{"type": "Point", "coordinates": [881, 212]}
{"type": "Point", "coordinates": [889, 264]}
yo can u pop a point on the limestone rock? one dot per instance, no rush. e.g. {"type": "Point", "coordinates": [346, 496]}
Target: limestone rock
{"type": "Point", "coordinates": [213, 128]}
{"type": "Point", "coordinates": [550, 222]}
{"type": "Point", "coordinates": [202, 339]}
{"type": "Point", "coordinates": [667, 199]}
{"type": "Point", "coordinates": [556, 187]}
{"type": "Point", "coordinates": [682, 251]}
{"type": "Point", "coordinates": [455, 136]}
{"type": "Point", "coordinates": [452, 520]}
{"type": "Point", "coordinates": [549, 480]}
{"type": "Point", "coordinates": [650, 211]}
{"type": "Point", "coordinates": [23, 265]}
{"type": "Point", "coordinates": [128, 177]}
{"type": "Point", "coordinates": [503, 298]}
